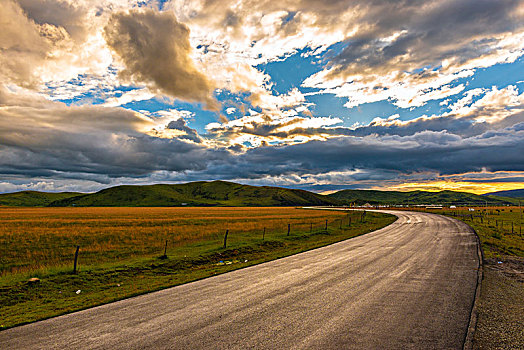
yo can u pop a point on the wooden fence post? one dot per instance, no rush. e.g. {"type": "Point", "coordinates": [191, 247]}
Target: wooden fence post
{"type": "Point", "coordinates": [326, 225]}
{"type": "Point", "coordinates": [310, 227]}
{"type": "Point", "coordinates": [288, 228]}
{"type": "Point", "coordinates": [225, 239]}
{"type": "Point", "coordinates": [264, 234]}
{"type": "Point", "coordinates": [165, 251]}
{"type": "Point", "coordinates": [76, 258]}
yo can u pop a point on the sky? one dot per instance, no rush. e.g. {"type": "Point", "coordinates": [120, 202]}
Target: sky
{"type": "Point", "coordinates": [319, 95]}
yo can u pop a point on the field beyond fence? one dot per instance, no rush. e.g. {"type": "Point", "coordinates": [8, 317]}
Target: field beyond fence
{"type": "Point", "coordinates": [40, 238]}
{"type": "Point", "coordinates": [130, 251]}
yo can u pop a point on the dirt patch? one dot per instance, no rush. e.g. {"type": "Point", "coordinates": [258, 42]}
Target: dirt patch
{"type": "Point", "coordinates": [508, 266]}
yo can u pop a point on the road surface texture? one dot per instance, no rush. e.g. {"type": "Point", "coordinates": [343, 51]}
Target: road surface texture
{"type": "Point", "coordinates": [410, 285]}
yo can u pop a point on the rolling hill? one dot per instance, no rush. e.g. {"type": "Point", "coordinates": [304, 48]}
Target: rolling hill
{"type": "Point", "coordinates": [33, 198]}
{"type": "Point", "coordinates": [215, 193]}
{"type": "Point", "coordinates": [223, 193]}
{"type": "Point", "coordinates": [360, 197]}
{"type": "Point", "coordinates": [510, 193]}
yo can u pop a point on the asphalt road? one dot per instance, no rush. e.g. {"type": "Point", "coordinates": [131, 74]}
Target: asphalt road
{"type": "Point", "coordinates": [410, 285]}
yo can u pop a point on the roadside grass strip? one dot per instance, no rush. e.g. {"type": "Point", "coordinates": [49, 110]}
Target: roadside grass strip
{"type": "Point", "coordinates": [31, 294]}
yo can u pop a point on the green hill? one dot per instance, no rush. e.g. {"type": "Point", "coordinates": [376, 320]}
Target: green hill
{"type": "Point", "coordinates": [223, 193]}
{"type": "Point", "coordinates": [215, 193]}
{"type": "Point", "coordinates": [509, 193]}
{"type": "Point", "coordinates": [360, 197]}
{"type": "Point", "coordinates": [33, 198]}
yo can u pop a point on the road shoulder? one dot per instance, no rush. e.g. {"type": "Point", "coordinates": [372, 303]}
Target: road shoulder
{"type": "Point", "coordinates": [501, 306]}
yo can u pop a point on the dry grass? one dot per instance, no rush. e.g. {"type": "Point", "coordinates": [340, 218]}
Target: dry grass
{"type": "Point", "coordinates": [39, 238]}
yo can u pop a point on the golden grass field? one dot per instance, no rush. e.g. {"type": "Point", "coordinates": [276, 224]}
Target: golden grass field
{"type": "Point", "coordinates": [37, 238]}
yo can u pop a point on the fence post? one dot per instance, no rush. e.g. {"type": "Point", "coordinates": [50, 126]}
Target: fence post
{"type": "Point", "coordinates": [326, 224]}
{"type": "Point", "coordinates": [225, 239]}
{"type": "Point", "coordinates": [288, 228]}
{"type": "Point", "coordinates": [264, 234]}
{"type": "Point", "coordinates": [310, 227]}
{"type": "Point", "coordinates": [76, 258]}
{"type": "Point", "coordinates": [165, 251]}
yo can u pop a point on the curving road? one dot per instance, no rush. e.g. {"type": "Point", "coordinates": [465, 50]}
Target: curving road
{"type": "Point", "coordinates": [410, 285]}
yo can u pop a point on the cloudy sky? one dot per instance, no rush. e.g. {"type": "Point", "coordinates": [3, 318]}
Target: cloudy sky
{"type": "Point", "coordinates": [320, 95]}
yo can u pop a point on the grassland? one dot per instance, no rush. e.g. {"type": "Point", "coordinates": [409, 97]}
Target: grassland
{"type": "Point", "coordinates": [33, 198]}
{"type": "Point", "coordinates": [121, 250]}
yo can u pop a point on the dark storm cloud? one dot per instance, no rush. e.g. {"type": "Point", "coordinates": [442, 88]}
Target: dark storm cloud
{"type": "Point", "coordinates": [427, 151]}
{"type": "Point", "coordinates": [45, 138]}
{"type": "Point", "coordinates": [180, 124]}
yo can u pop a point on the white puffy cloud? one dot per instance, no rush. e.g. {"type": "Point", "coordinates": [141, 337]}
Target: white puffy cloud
{"type": "Point", "coordinates": [129, 96]}
{"type": "Point", "coordinates": [494, 106]}
{"type": "Point", "coordinates": [409, 52]}
{"type": "Point", "coordinates": [50, 40]}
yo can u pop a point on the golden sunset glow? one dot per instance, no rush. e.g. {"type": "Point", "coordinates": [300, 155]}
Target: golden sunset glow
{"type": "Point", "coordinates": [461, 186]}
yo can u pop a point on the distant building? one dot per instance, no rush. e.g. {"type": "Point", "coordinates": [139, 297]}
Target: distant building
{"type": "Point", "coordinates": [452, 207]}
{"type": "Point", "coordinates": [367, 205]}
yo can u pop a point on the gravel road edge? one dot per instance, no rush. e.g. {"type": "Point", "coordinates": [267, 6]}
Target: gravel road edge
{"type": "Point", "coordinates": [472, 326]}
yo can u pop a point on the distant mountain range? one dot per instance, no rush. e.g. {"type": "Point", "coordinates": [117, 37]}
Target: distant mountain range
{"type": "Point", "coordinates": [510, 193]}
{"type": "Point", "coordinates": [223, 193]}
{"type": "Point", "coordinates": [360, 197]}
